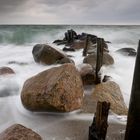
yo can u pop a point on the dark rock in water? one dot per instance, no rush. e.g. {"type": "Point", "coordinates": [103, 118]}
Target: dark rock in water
{"type": "Point", "coordinates": [6, 70]}
{"type": "Point", "coordinates": [84, 36]}
{"type": "Point", "coordinates": [106, 78]}
{"type": "Point", "coordinates": [65, 60]}
{"type": "Point", "coordinates": [58, 89]}
{"type": "Point", "coordinates": [127, 51]}
{"type": "Point", "coordinates": [66, 49]}
{"type": "Point", "coordinates": [85, 41]}
{"type": "Point", "coordinates": [43, 53]}
{"type": "Point", "coordinates": [108, 42]}
{"type": "Point", "coordinates": [57, 41]}
{"type": "Point", "coordinates": [19, 132]}
{"type": "Point", "coordinates": [70, 35]}
{"type": "Point", "coordinates": [91, 59]}
{"type": "Point", "coordinates": [18, 63]}
{"type": "Point", "coordinates": [105, 46]}
{"type": "Point", "coordinates": [60, 42]}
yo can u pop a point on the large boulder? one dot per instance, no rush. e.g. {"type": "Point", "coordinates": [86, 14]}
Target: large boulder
{"type": "Point", "coordinates": [91, 59]}
{"type": "Point", "coordinates": [127, 51]}
{"type": "Point", "coordinates": [110, 91]}
{"type": "Point", "coordinates": [19, 132]}
{"type": "Point", "coordinates": [46, 54]}
{"type": "Point", "coordinates": [6, 70]}
{"type": "Point", "coordinates": [57, 89]}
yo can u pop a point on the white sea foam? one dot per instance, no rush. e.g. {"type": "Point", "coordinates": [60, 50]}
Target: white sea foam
{"type": "Point", "coordinates": [11, 108]}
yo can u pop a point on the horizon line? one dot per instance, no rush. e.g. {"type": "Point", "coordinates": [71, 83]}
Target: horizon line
{"type": "Point", "coordinates": [76, 24]}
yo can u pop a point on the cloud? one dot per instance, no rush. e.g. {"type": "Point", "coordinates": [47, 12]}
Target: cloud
{"type": "Point", "coordinates": [69, 11]}
{"type": "Point", "coordinates": [7, 6]}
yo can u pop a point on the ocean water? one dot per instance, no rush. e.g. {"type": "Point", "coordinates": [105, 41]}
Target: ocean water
{"type": "Point", "coordinates": [16, 44]}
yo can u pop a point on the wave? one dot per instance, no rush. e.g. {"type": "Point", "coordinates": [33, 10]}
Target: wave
{"type": "Point", "coordinates": [29, 34]}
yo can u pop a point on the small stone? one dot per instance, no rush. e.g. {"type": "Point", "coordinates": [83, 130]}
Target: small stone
{"type": "Point", "coordinates": [6, 70]}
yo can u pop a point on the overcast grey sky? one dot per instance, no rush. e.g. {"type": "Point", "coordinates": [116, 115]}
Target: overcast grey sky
{"type": "Point", "coordinates": [69, 12]}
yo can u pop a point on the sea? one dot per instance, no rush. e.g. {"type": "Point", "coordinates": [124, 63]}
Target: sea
{"type": "Point", "coordinates": [16, 44]}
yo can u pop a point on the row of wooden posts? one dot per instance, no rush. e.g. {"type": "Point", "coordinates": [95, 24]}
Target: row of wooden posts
{"type": "Point", "coordinates": [99, 59]}
{"type": "Point", "coordinates": [98, 129]}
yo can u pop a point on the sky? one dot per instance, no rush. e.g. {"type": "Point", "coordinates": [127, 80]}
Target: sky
{"type": "Point", "coordinates": [69, 12]}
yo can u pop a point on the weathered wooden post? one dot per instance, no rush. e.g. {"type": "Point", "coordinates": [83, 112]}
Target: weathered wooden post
{"type": "Point", "coordinates": [98, 129]}
{"type": "Point", "coordinates": [133, 121]}
{"type": "Point", "coordinates": [86, 45]}
{"type": "Point", "coordinates": [99, 60]}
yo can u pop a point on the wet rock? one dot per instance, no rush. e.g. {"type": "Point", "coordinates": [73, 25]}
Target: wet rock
{"type": "Point", "coordinates": [6, 70]}
{"type": "Point", "coordinates": [66, 49]}
{"type": "Point", "coordinates": [106, 78]}
{"type": "Point", "coordinates": [91, 59]}
{"type": "Point", "coordinates": [19, 132]}
{"type": "Point", "coordinates": [127, 51]}
{"type": "Point", "coordinates": [78, 44]}
{"type": "Point", "coordinates": [58, 89]}
{"type": "Point", "coordinates": [92, 37]}
{"type": "Point", "coordinates": [110, 91]}
{"type": "Point", "coordinates": [70, 36]}
{"type": "Point", "coordinates": [108, 42]}
{"type": "Point", "coordinates": [65, 60]}
{"type": "Point", "coordinates": [60, 42]}
{"type": "Point", "coordinates": [43, 53]}
{"type": "Point", "coordinates": [18, 63]}
{"type": "Point", "coordinates": [87, 74]}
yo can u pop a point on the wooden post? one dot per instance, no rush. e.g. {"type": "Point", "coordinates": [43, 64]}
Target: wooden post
{"type": "Point", "coordinates": [99, 60]}
{"type": "Point", "coordinates": [98, 129]}
{"type": "Point", "coordinates": [133, 120]}
{"type": "Point", "coordinates": [86, 46]}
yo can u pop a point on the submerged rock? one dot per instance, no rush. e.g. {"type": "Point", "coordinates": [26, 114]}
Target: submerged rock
{"type": "Point", "coordinates": [18, 63]}
{"type": "Point", "coordinates": [57, 89]}
{"type": "Point", "coordinates": [19, 132]}
{"type": "Point", "coordinates": [106, 78]}
{"type": "Point", "coordinates": [6, 70]}
{"type": "Point", "coordinates": [127, 51]}
{"type": "Point", "coordinates": [110, 91]}
{"type": "Point", "coordinates": [66, 49]}
{"type": "Point", "coordinates": [46, 54]}
{"type": "Point", "coordinates": [91, 59]}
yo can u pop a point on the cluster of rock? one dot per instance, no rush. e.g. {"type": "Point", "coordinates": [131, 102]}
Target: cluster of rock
{"type": "Point", "coordinates": [61, 88]}
{"type": "Point", "coordinates": [74, 41]}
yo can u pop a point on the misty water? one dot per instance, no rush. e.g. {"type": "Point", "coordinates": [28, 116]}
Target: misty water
{"type": "Point", "coordinates": [16, 44]}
